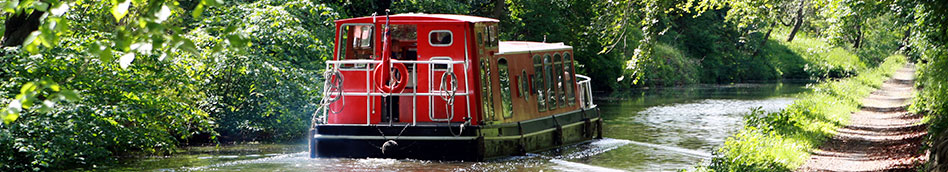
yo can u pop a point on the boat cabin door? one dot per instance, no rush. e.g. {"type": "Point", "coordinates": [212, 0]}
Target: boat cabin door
{"type": "Point", "coordinates": [439, 45]}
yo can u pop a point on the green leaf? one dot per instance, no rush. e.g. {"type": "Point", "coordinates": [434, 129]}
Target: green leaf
{"type": "Point", "coordinates": [10, 117]}
{"type": "Point", "coordinates": [70, 95]}
{"type": "Point", "coordinates": [24, 3]}
{"type": "Point", "coordinates": [188, 45]}
{"type": "Point", "coordinates": [46, 106]}
{"type": "Point", "coordinates": [212, 2]}
{"type": "Point", "coordinates": [10, 6]}
{"type": "Point", "coordinates": [32, 37]}
{"type": "Point", "coordinates": [54, 87]}
{"type": "Point", "coordinates": [163, 14]}
{"type": "Point", "coordinates": [28, 88]}
{"type": "Point", "coordinates": [119, 10]}
{"type": "Point", "coordinates": [41, 6]}
{"type": "Point", "coordinates": [106, 55]}
{"type": "Point", "coordinates": [60, 10]}
{"type": "Point", "coordinates": [197, 11]}
{"type": "Point", "coordinates": [27, 102]}
{"type": "Point", "coordinates": [126, 60]}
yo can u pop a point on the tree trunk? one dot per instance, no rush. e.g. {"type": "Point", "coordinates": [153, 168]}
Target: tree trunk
{"type": "Point", "coordinates": [766, 37]}
{"type": "Point", "coordinates": [798, 21]}
{"type": "Point", "coordinates": [905, 38]}
{"type": "Point", "coordinates": [858, 42]}
{"type": "Point", "coordinates": [19, 26]}
{"type": "Point", "coordinates": [499, 9]}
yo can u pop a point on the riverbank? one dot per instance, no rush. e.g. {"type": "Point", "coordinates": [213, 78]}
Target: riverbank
{"type": "Point", "coordinates": [806, 58]}
{"type": "Point", "coordinates": [782, 140]}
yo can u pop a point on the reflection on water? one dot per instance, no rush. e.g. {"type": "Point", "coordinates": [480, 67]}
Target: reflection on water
{"type": "Point", "coordinates": [651, 130]}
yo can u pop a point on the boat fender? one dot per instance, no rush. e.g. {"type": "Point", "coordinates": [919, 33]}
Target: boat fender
{"type": "Point", "coordinates": [599, 124]}
{"type": "Point", "coordinates": [520, 143]}
{"type": "Point", "coordinates": [382, 75]}
{"type": "Point", "coordinates": [558, 132]}
{"type": "Point", "coordinates": [389, 145]}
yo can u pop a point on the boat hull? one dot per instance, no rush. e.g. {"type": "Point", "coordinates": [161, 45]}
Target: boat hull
{"type": "Point", "coordinates": [452, 141]}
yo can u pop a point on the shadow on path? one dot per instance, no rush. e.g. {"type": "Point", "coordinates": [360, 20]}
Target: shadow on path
{"type": "Point", "coordinates": [882, 136]}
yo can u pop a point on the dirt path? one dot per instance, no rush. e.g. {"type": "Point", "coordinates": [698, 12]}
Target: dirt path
{"type": "Point", "coordinates": [882, 136]}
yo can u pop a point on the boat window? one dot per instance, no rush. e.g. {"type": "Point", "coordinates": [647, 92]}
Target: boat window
{"type": "Point", "coordinates": [492, 36]}
{"type": "Point", "coordinates": [558, 77]}
{"type": "Point", "coordinates": [355, 42]}
{"type": "Point", "coordinates": [522, 88]}
{"type": "Point", "coordinates": [568, 75]}
{"type": "Point", "coordinates": [538, 83]}
{"type": "Point", "coordinates": [506, 101]}
{"type": "Point", "coordinates": [481, 33]}
{"type": "Point", "coordinates": [404, 45]}
{"type": "Point", "coordinates": [548, 82]}
{"type": "Point", "coordinates": [440, 38]}
{"type": "Point", "coordinates": [486, 91]}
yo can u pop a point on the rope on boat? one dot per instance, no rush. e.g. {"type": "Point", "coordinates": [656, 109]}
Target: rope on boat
{"type": "Point", "coordinates": [449, 89]}
{"type": "Point", "coordinates": [333, 83]}
{"type": "Point", "coordinates": [449, 92]}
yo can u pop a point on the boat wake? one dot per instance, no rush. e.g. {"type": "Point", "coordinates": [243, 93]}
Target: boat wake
{"type": "Point", "coordinates": [595, 148]}
{"type": "Point", "coordinates": [249, 161]}
{"type": "Point", "coordinates": [562, 165]}
{"type": "Point", "coordinates": [605, 145]}
{"type": "Point", "coordinates": [690, 152]}
{"type": "Point", "coordinates": [563, 159]}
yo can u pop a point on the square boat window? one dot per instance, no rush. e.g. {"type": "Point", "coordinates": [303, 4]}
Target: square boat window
{"type": "Point", "coordinates": [440, 38]}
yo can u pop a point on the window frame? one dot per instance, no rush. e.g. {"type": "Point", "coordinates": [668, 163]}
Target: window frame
{"type": "Point", "coordinates": [522, 85]}
{"type": "Point", "coordinates": [537, 83]}
{"type": "Point", "coordinates": [440, 45]}
{"type": "Point", "coordinates": [570, 79]}
{"type": "Point", "coordinates": [340, 45]}
{"type": "Point", "coordinates": [506, 98]}
{"type": "Point", "coordinates": [487, 90]}
{"type": "Point", "coordinates": [548, 83]}
{"type": "Point", "coordinates": [559, 82]}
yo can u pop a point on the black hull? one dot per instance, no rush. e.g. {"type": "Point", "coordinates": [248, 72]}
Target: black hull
{"type": "Point", "coordinates": [453, 142]}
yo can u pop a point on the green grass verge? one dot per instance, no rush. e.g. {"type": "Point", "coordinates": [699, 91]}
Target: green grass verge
{"type": "Point", "coordinates": [781, 141]}
{"type": "Point", "coordinates": [822, 59]}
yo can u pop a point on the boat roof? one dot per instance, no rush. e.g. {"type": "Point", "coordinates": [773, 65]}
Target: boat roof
{"type": "Point", "coordinates": [517, 47]}
{"type": "Point", "coordinates": [423, 17]}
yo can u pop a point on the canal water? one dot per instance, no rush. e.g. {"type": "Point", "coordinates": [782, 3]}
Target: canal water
{"type": "Point", "coordinates": [648, 130]}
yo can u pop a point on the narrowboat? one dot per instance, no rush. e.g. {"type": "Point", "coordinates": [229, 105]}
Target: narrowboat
{"type": "Point", "coordinates": [443, 87]}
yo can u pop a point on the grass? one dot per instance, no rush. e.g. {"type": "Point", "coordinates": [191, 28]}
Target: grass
{"type": "Point", "coordinates": [822, 59]}
{"type": "Point", "coordinates": [781, 141]}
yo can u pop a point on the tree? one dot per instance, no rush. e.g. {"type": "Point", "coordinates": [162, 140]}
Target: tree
{"type": "Point", "coordinates": [140, 28]}
{"type": "Point", "coordinates": [798, 20]}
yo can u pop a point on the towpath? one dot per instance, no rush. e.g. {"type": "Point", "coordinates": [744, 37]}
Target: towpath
{"type": "Point", "coordinates": [882, 136]}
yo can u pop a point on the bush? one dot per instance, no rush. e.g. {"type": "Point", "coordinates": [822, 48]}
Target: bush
{"type": "Point", "coordinates": [269, 92]}
{"type": "Point", "coordinates": [669, 67]}
{"type": "Point", "coordinates": [266, 92]}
